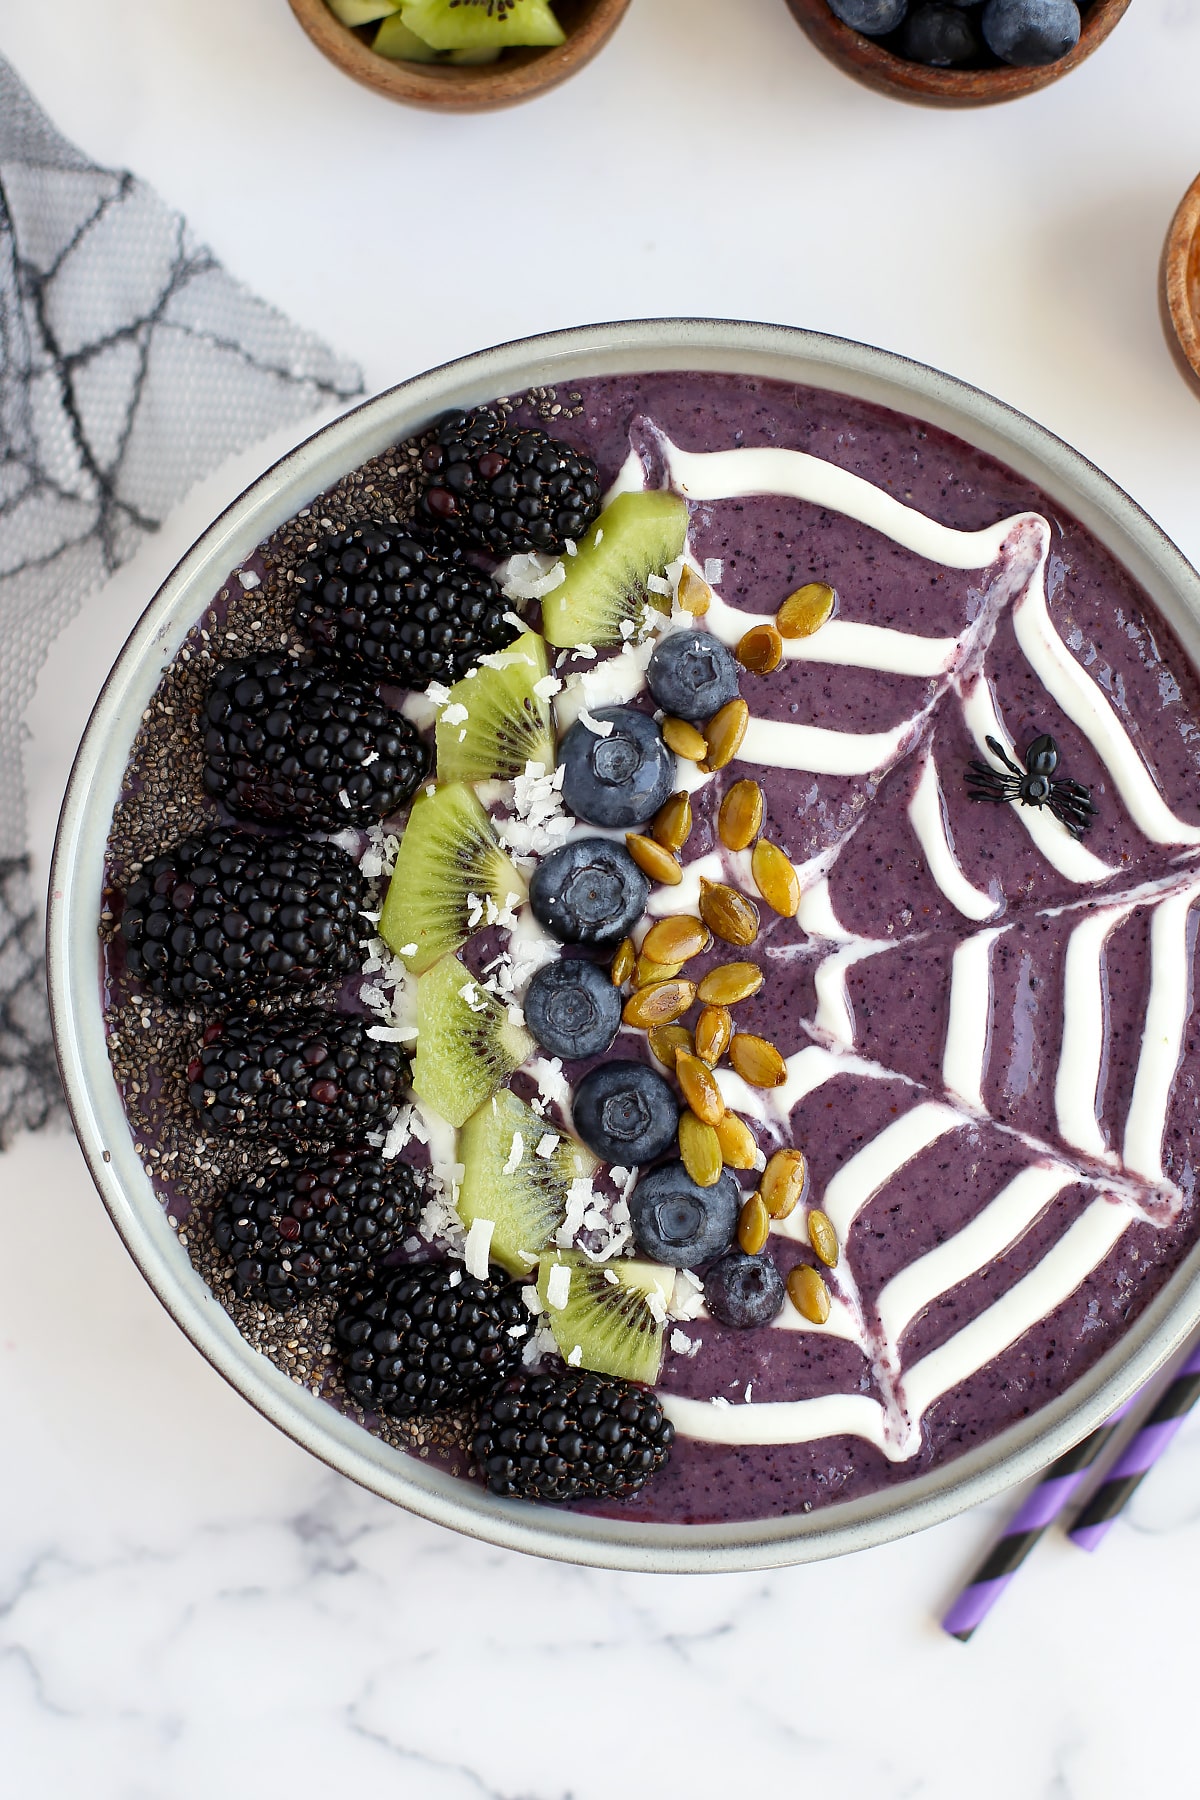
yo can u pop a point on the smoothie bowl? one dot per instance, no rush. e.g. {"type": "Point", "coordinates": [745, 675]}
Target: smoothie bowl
{"type": "Point", "coordinates": [621, 945]}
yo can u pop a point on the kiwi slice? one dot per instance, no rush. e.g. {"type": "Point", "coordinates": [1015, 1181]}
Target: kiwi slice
{"type": "Point", "coordinates": [482, 24]}
{"type": "Point", "coordinates": [362, 12]}
{"type": "Point", "coordinates": [634, 537]}
{"type": "Point", "coordinates": [448, 856]}
{"type": "Point", "coordinates": [609, 1322]}
{"type": "Point", "coordinates": [394, 39]}
{"type": "Point", "coordinates": [507, 724]}
{"type": "Point", "coordinates": [526, 1203]}
{"type": "Point", "coordinates": [466, 1042]}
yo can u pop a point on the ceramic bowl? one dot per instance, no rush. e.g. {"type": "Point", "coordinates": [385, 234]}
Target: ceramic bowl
{"type": "Point", "coordinates": [869, 61]}
{"type": "Point", "coordinates": [74, 951]}
{"type": "Point", "coordinates": [518, 75]}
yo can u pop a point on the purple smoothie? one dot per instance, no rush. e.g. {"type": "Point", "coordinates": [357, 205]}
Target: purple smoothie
{"type": "Point", "coordinates": [897, 995]}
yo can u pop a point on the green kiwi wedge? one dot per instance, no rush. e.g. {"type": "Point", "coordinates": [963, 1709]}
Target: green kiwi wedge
{"type": "Point", "coordinates": [611, 1324]}
{"type": "Point", "coordinates": [394, 39]}
{"type": "Point", "coordinates": [522, 1193]}
{"type": "Point", "coordinates": [636, 536]}
{"type": "Point", "coordinates": [449, 857]}
{"type": "Point", "coordinates": [507, 724]}
{"type": "Point", "coordinates": [482, 25]}
{"type": "Point", "coordinates": [362, 12]}
{"type": "Point", "coordinates": [466, 1042]}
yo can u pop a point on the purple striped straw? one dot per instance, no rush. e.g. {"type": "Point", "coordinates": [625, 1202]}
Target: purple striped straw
{"type": "Point", "coordinates": [1140, 1453]}
{"type": "Point", "coordinates": [1039, 1511]}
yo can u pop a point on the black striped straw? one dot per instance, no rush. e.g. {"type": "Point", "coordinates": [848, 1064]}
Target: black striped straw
{"type": "Point", "coordinates": [1139, 1455]}
{"type": "Point", "coordinates": [1039, 1511]}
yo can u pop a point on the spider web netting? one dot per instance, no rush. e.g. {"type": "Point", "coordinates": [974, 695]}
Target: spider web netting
{"type": "Point", "coordinates": [131, 364]}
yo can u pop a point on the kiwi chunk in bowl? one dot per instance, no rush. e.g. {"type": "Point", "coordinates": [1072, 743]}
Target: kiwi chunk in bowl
{"type": "Point", "coordinates": [749, 353]}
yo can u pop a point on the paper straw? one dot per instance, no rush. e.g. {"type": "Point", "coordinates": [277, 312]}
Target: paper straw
{"type": "Point", "coordinates": [1139, 1455]}
{"type": "Point", "coordinates": [1040, 1510]}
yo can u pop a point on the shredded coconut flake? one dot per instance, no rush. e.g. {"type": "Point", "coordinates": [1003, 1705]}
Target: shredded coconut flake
{"type": "Point", "coordinates": [558, 1287]}
{"type": "Point", "coordinates": [547, 1144]}
{"type": "Point", "coordinates": [714, 568]}
{"type": "Point", "coordinates": [576, 1357]}
{"type": "Point", "coordinates": [515, 1154]}
{"type": "Point", "coordinates": [601, 727]}
{"type": "Point", "coordinates": [248, 578]}
{"type": "Point", "coordinates": [456, 714]}
{"type": "Point", "coordinates": [475, 1251]}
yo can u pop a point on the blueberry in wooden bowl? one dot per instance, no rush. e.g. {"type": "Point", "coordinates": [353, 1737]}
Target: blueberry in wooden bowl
{"type": "Point", "coordinates": [968, 44]}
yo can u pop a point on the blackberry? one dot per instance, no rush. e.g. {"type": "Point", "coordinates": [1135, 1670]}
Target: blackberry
{"type": "Point", "coordinates": [305, 1073]}
{"type": "Point", "coordinates": [429, 1337]}
{"type": "Point", "coordinates": [409, 608]}
{"type": "Point", "coordinates": [571, 1436]}
{"type": "Point", "coordinates": [315, 1225]}
{"type": "Point", "coordinates": [502, 488]}
{"type": "Point", "coordinates": [224, 913]}
{"type": "Point", "coordinates": [284, 741]}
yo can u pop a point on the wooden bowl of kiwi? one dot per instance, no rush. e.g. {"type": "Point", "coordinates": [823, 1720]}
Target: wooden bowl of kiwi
{"type": "Point", "coordinates": [464, 86]}
{"type": "Point", "coordinates": [1180, 287]}
{"type": "Point", "coordinates": [870, 61]}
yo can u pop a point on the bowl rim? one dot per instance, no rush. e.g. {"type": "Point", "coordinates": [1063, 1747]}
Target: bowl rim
{"type": "Point", "coordinates": [783, 352]}
{"type": "Point", "coordinates": [522, 74]}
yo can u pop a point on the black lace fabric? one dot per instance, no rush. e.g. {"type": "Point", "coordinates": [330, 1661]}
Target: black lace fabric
{"type": "Point", "coordinates": [131, 365]}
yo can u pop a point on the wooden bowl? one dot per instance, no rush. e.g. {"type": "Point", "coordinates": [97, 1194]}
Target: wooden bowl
{"type": "Point", "coordinates": [878, 68]}
{"type": "Point", "coordinates": [1180, 288]}
{"type": "Point", "coordinates": [519, 74]}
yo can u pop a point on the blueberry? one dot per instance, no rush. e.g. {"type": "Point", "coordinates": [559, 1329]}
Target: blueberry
{"type": "Point", "coordinates": [588, 892]}
{"type": "Point", "coordinates": [691, 674]}
{"type": "Point", "coordinates": [572, 1008]}
{"type": "Point", "coordinates": [872, 17]}
{"type": "Point", "coordinates": [678, 1222]}
{"type": "Point", "coordinates": [620, 779]}
{"type": "Point", "coordinates": [1031, 32]}
{"type": "Point", "coordinates": [744, 1290]}
{"type": "Point", "coordinates": [939, 36]}
{"type": "Point", "coordinates": [625, 1112]}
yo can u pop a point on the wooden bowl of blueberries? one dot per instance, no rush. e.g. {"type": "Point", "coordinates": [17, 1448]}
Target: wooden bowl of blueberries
{"type": "Point", "coordinates": [459, 55]}
{"type": "Point", "coordinates": [957, 52]}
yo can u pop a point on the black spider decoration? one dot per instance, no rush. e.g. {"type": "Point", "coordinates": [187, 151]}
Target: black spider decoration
{"type": "Point", "coordinates": [1034, 785]}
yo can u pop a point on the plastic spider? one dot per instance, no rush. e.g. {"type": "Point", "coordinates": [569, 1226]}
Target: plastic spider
{"type": "Point", "coordinates": [1034, 785]}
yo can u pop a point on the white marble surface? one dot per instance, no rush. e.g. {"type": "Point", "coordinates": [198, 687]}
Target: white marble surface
{"type": "Point", "coordinates": [189, 1605]}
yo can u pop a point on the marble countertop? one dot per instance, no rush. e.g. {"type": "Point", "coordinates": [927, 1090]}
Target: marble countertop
{"type": "Point", "coordinates": [189, 1604]}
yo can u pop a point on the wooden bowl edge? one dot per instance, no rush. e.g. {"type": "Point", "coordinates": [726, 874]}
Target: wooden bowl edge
{"type": "Point", "coordinates": [446, 89]}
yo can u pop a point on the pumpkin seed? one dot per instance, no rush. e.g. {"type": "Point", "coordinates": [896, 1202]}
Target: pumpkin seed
{"type": "Point", "coordinates": [714, 1028]}
{"type": "Point", "coordinates": [754, 1225]}
{"type": "Point", "coordinates": [775, 878]}
{"type": "Point", "coordinates": [823, 1237]}
{"type": "Point", "coordinates": [676, 939]}
{"type": "Point", "coordinates": [660, 1004]}
{"type": "Point", "coordinates": [740, 818]}
{"type": "Point", "coordinates": [624, 962]}
{"type": "Point", "coordinates": [728, 914]}
{"type": "Point", "coordinates": [724, 733]}
{"type": "Point", "coordinates": [646, 971]}
{"type": "Point", "coordinates": [667, 1040]}
{"type": "Point", "coordinates": [783, 1182]}
{"type": "Point", "coordinates": [653, 860]}
{"type": "Point", "coordinates": [757, 1061]}
{"type": "Point", "coordinates": [684, 740]}
{"type": "Point", "coordinates": [693, 593]}
{"type": "Point", "coordinates": [805, 611]}
{"type": "Point", "coordinates": [699, 1086]}
{"type": "Point", "coordinates": [730, 982]}
{"type": "Point", "coordinates": [760, 650]}
{"type": "Point", "coordinates": [808, 1293]}
{"type": "Point", "coordinates": [738, 1146]}
{"type": "Point", "coordinates": [700, 1150]}
{"type": "Point", "coordinates": [672, 823]}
